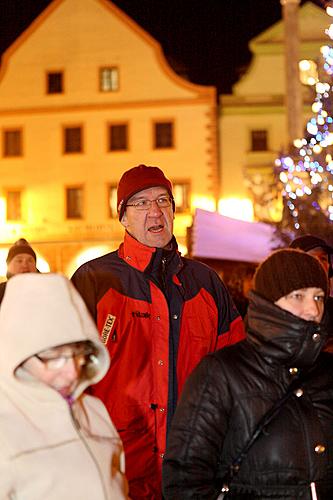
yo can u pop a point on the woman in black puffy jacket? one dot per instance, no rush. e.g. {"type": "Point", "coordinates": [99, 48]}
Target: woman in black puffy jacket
{"type": "Point", "coordinates": [232, 389]}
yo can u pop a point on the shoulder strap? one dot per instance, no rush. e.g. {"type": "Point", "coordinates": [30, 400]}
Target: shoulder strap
{"type": "Point", "coordinates": [294, 389]}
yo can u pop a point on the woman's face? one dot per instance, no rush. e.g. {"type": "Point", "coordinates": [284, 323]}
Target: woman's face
{"type": "Point", "coordinates": [306, 303]}
{"type": "Point", "coordinates": [59, 368]}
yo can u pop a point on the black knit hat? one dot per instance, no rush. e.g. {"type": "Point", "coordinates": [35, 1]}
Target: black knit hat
{"type": "Point", "coordinates": [308, 242]}
{"type": "Point", "coordinates": [20, 246]}
{"type": "Point", "coordinates": [287, 270]}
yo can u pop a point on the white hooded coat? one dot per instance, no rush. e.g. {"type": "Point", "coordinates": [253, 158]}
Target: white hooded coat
{"type": "Point", "coordinates": [49, 450]}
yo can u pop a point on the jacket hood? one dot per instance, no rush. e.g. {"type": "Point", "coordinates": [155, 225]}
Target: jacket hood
{"type": "Point", "coordinates": [42, 311]}
{"type": "Point", "coordinates": [282, 337]}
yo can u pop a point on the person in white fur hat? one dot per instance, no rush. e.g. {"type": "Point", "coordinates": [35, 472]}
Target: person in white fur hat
{"type": "Point", "coordinates": [55, 441]}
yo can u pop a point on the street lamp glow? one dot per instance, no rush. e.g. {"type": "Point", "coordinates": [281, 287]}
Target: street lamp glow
{"type": "Point", "coordinates": [237, 208]}
{"type": "Point", "coordinates": [204, 202]}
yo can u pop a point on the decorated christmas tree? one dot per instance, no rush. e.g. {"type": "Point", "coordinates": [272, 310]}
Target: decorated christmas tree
{"type": "Point", "coordinates": [306, 172]}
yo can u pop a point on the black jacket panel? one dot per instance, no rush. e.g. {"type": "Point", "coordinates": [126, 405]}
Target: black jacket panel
{"type": "Point", "coordinates": [227, 395]}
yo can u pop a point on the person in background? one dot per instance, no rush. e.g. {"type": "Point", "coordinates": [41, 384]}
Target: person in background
{"type": "Point", "coordinates": [55, 441]}
{"type": "Point", "coordinates": [319, 248]}
{"type": "Point", "coordinates": [158, 314]}
{"type": "Point", "coordinates": [21, 258]}
{"type": "Point", "coordinates": [241, 290]}
{"type": "Point", "coordinates": [227, 396]}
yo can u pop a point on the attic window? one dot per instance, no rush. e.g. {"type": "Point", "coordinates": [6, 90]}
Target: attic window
{"type": "Point", "coordinates": [109, 79]}
{"type": "Point", "coordinates": [54, 82]}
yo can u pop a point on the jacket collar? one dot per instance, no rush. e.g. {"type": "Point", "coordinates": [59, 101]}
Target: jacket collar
{"type": "Point", "coordinates": [140, 256]}
{"type": "Point", "coordinates": [282, 337]}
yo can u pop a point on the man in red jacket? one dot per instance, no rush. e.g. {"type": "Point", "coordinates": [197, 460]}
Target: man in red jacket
{"type": "Point", "coordinates": [158, 313]}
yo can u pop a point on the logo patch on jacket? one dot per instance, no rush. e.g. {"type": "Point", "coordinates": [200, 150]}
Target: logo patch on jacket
{"type": "Point", "coordinates": [139, 314]}
{"type": "Point", "coordinates": [107, 328]}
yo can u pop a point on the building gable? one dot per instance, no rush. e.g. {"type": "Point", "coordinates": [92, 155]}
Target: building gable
{"type": "Point", "coordinates": [311, 20]}
{"type": "Point", "coordinates": [77, 37]}
{"type": "Point", "coordinates": [265, 75]}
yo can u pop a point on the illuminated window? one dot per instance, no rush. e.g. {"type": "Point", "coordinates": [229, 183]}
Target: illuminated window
{"type": "Point", "coordinates": [13, 204]}
{"type": "Point", "coordinates": [259, 140]}
{"type": "Point", "coordinates": [72, 139]}
{"type": "Point", "coordinates": [12, 143]}
{"type": "Point", "coordinates": [118, 137]}
{"type": "Point", "coordinates": [181, 194]}
{"type": "Point", "coordinates": [109, 79]}
{"type": "Point", "coordinates": [54, 82]}
{"type": "Point", "coordinates": [74, 203]}
{"type": "Point", "coordinates": [308, 72]}
{"type": "Point", "coordinates": [163, 135]}
{"type": "Point", "coordinates": [112, 200]}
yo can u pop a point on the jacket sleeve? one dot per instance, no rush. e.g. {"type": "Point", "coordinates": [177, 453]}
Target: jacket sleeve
{"type": "Point", "coordinates": [84, 281]}
{"type": "Point", "coordinates": [230, 324]}
{"type": "Point", "coordinates": [191, 464]}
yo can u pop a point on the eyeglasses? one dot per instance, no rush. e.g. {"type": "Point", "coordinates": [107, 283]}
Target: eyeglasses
{"type": "Point", "coordinates": [57, 362]}
{"type": "Point", "coordinates": [161, 202]}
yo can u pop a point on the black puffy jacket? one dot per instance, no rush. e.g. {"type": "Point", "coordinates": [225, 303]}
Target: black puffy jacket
{"type": "Point", "coordinates": [230, 391]}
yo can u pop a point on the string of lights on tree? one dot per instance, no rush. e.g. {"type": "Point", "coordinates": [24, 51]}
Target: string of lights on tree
{"type": "Point", "coordinates": [306, 173]}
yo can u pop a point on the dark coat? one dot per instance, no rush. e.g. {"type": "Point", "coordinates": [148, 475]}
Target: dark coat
{"type": "Point", "coordinates": [229, 392]}
{"type": "Point", "coordinates": [329, 308]}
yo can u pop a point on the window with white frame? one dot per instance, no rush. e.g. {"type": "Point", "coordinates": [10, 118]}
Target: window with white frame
{"type": "Point", "coordinates": [181, 194]}
{"type": "Point", "coordinates": [109, 79]}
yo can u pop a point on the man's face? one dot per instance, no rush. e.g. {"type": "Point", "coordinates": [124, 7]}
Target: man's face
{"type": "Point", "coordinates": [63, 379]}
{"type": "Point", "coordinates": [22, 263]}
{"type": "Point", "coordinates": [152, 227]}
{"type": "Point", "coordinates": [322, 256]}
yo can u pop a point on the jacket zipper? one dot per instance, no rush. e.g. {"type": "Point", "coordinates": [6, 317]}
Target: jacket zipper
{"type": "Point", "coordinates": [154, 407]}
{"type": "Point", "coordinates": [163, 262]}
{"type": "Point", "coordinates": [77, 427]}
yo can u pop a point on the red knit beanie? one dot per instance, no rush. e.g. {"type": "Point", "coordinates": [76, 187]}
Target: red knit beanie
{"type": "Point", "coordinates": [136, 179]}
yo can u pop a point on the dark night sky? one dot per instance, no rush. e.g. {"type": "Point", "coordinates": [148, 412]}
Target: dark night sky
{"type": "Point", "coordinates": [206, 40]}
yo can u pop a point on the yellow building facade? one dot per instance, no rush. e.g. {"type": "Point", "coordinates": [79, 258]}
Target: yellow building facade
{"type": "Point", "coordinates": [253, 119]}
{"type": "Point", "coordinates": [85, 94]}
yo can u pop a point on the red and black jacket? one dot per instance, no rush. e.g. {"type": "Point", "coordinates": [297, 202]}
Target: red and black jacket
{"type": "Point", "coordinates": [159, 314]}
